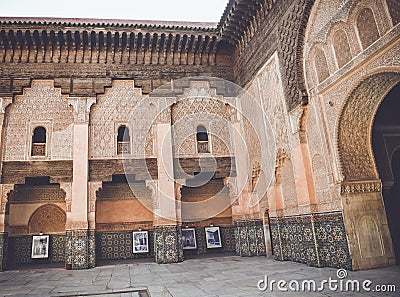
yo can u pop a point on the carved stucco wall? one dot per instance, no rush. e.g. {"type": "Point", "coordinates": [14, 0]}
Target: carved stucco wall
{"type": "Point", "coordinates": [343, 107]}
{"type": "Point", "coordinates": [273, 102]}
{"type": "Point", "coordinates": [327, 196]}
{"type": "Point", "coordinates": [267, 88]}
{"type": "Point", "coordinates": [252, 127]}
{"type": "Point", "coordinates": [328, 97]}
{"type": "Point", "coordinates": [117, 106]}
{"type": "Point", "coordinates": [319, 170]}
{"type": "Point", "coordinates": [354, 133]}
{"type": "Point", "coordinates": [39, 105]}
{"type": "Point", "coordinates": [48, 218]}
{"type": "Point", "coordinates": [200, 105]}
{"type": "Point", "coordinates": [288, 188]}
{"type": "Point", "coordinates": [323, 25]}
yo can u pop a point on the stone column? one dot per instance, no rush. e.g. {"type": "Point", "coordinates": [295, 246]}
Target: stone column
{"type": "Point", "coordinates": [67, 188]}
{"type": "Point", "coordinates": [93, 188]}
{"type": "Point", "coordinates": [80, 241]}
{"type": "Point", "coordinates": [168, 246]}
{"type": "Point", "coordinates": [5, 190]}
{"type": "Point", "coordinates": [179, 183]}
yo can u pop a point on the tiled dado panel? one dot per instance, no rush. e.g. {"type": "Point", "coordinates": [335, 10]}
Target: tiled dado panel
{"type": "Point", "coordinates": [80, 249]}
{"type": "Point", "coordinates": [330, 233]}
{"type": "Point", "coordinates": [3, 250]}
{"type": "Point", "coordinates": [250, 239]}
{"type": "Point", "coordinates": [168, 247]}
{"type": "Point", "coordinates": [227, 238]}
{"type": "Point", "coordinates": [118, 245]}
{"type": "Point", "coordinates": [315, 239]}
{"type": "Point", "coordinates": [21, 250]}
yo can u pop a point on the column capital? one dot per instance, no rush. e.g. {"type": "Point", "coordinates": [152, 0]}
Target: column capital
{"type": "Point", "coordinates": [5, 189]}
{"type": "Point", "coordinates": [179, 183]}
{"type": "Point", "coordinates": [67, 188]}
{"type": "Point", "coordinates": [178, 197]}
{"type": "Point", "coordinates": [164, 110]}
{"type": "Point", "coordinates": [4, 102]}
{"type": "Point", "coordinates": [231, 183]}
{"type": "Point", "coordinates": [81, 107]}
{"type": "Point", "coordinates": [298, 120]}
{"type": "Point", "coordinates": [93, 188]}
{"type": "Point", "coordinates": [152, 186]}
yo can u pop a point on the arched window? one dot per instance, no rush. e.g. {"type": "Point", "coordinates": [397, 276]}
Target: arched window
{"type": "Point", "coordinates": [123, 140]}
{"type": "Point", "coordinates": [202, 139]}
{"type": "Point", "coordinates": [342, 48]}
{"type": "Point", "coordinates": [366, 26]}
{"type": "Point", "coordinates": [39, 141]}
{"type": "Point", "coordinates": [321, 66]}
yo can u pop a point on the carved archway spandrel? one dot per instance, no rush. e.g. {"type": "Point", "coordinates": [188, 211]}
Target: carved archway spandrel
{"type": "Point", "coordinates": [355, 126]}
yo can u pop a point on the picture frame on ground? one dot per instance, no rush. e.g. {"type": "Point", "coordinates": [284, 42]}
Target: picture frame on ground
{"type": "Point", "coordinates": [213, 237]}
{"type": "Point", "coordinates": [189, 239]}
{"type": "Point", "coordinates": [40, 246]}
{"type": "Point", "coordinates": [140, 242]}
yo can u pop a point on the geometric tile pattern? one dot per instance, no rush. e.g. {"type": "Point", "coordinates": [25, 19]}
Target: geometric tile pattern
{"type": "Point", "coordinates": [315, 239]}
{"type": "Point", "coordinates": [331, 239]}
{"type": "Point", "coordinates": [250, 239]}
{"type": "Point", "coordinates": [80, 249]}
{"type": "Point", "coordinates": [3, 250]}
{"type": "Point", "coordinates": [168, 247]}
{"type": "Point", "coordinates": [227, 239]}
{"type": "Point", "coordinates": [118, 245]}
{"type": "Point", "coordinates": [91, 248]}
{"type": "Point", "coordinates": [22, 249]}
{"type": "Point", "coordinates": [298, 241]}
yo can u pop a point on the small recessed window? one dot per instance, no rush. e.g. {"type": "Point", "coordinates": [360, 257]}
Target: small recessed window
{"type": "Point", "coordinates": [39, 141]}
{"type": "Point", "coordinates": [202, 140]}
{"type": "Point", "coordinates": [123, 140]}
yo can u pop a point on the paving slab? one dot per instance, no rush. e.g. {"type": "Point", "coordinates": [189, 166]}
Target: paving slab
{"type": "Point", "coordinates": [213, 277]}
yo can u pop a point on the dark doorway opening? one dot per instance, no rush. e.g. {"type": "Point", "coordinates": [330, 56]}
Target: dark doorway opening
{"type": "Point", "coordinates": [386, 146]}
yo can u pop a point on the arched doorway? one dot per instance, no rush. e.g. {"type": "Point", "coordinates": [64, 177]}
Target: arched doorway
{"type": "Point", "coordinates": [386, 146]}
{"type": "Point", "coordinates": [364, 212]}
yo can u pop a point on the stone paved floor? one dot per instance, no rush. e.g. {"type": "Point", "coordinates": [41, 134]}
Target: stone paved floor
{"type": "Point", "coordinates": [224, 276]}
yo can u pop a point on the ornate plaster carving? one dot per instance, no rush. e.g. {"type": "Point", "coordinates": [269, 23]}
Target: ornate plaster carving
{"type": "Point", "coordinates": [48, 218]}
{"type": "Point", "coordinates": [231, 183]}
{"type": "Point", "coordinates": [67, 188]}
{"type": "Point", "coordinates": [5, 190]}
{"type": "Point", "coordinates": [281, 158]}
{"type": "Point", "coordinates": [355, 124]}
{"type": "Point", "coordinates": [81, 107]}
{"type": "Point", "coordinates": [361, 187]}
{"type": "Point", "coordinates": [93, 188]}
{"type": "Point", "coordinates": [152, 186]}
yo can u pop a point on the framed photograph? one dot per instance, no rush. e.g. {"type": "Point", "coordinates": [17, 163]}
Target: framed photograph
{"type": "Point", "coordinates": [40, 246]}
{"type": "Point", "coordinates": [140, 242]}
{"type": "Point", "coordinates": [213, 237]}
{"type": "Point", "coordinates": [189, 239]}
